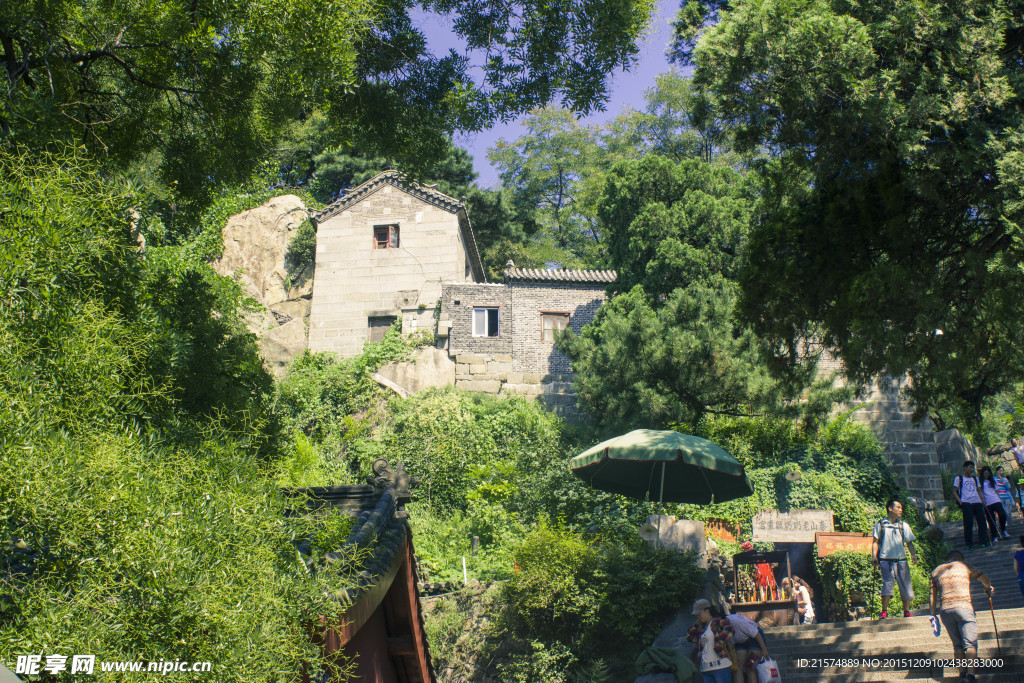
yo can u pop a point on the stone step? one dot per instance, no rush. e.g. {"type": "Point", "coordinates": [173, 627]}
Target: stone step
{"type": "Point", "coordinates": [867, 641]}
{"type": "Point", "coordinates": [1009, 629]}
{"type": "Point", "coordinates": [861, 648]}
{"type": "Point", "coordinates": [867, 674]}
{"type": "Point", "coordinates": [880, 626]}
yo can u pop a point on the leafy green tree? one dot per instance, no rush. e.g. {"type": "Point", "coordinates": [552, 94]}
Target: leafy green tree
{"type": "Point", "coordinates": [652, 363]}
{"type": "Point", "coordinates": [554, 175]}
{"type": "Point", "coordinates": [892, 166]}
{"type": "Point", "coordinates": [676, 123]}
{"type": "Point", "coordinates": [669, 224]}
{"type": "Point", "coordinates": [669, 349]}
{"type": "Point", "coordinates": [207, 86]}
{"type": "Point", "coordinates": [549, 173]}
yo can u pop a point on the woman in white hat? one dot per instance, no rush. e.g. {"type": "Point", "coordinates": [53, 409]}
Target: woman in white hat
{"type": "Point", "coordinates": [713, 636]}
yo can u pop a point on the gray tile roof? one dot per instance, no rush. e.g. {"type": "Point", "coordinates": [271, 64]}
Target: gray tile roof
{"type": "Point", "coordinates": [514, 274]}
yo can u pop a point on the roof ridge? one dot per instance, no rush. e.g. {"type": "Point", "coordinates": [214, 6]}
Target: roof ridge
{"type": "Point", "coordinates": [427, 193]}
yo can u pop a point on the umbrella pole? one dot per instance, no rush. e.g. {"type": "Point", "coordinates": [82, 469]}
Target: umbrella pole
{"type": "Point", "coordinates": [661, 507]}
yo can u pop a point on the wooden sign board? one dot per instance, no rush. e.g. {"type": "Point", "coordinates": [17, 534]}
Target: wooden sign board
{"type": "Point", "coordinates": [795, 526]}
{"type": "Point", "coordinates": [834, 542]}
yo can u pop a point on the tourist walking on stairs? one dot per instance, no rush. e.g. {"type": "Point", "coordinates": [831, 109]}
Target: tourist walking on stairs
{"type": "Point", "coordinates": [993, 505]}
{"type": "Point", "coordinates": [1007, 492]}
{"type": "Point", "coordinates": [967, 491]}
{"type": "Point", "coordinates": [951, 600]}
{"type": "Point", "coordinates": [892, 538]}
{"type": "Point", "coordinates": [713, 636]}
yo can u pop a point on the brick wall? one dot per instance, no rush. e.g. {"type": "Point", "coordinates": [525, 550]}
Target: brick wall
{"type": "Point", "coordinates": [457, 304]}
{"type": "Point", "coordinates": [530, 353]}
{"type": "Point", "coordinates": [518, 361]}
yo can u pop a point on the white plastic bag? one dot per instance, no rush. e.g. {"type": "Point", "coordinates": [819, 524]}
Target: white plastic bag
{"type": "Point", "coordinates": [768, 671]}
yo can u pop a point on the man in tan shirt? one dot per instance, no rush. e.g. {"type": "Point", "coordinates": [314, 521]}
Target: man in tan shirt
{"type": "Point", "coordinates": [951, 582]}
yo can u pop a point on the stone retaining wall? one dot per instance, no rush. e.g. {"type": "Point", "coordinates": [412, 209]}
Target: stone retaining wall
{"type": "Point", "coordinates": [911, 448]}
{"type": "Point", "coordinates": [494, 374]}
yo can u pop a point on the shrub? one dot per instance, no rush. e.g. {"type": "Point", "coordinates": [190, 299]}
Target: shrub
{"type": "Point", "coordinates": [301, 248]}
{"type": "Point", "coordinates": [574, 604]}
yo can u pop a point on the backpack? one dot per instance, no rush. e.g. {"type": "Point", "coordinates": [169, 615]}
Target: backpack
{"type": "Point", "coordinates": [881, 534]}
{"type": "Point", "coordinates": [959, 483]}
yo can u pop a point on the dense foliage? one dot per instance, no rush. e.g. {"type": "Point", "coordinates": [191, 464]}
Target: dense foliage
{"type": "Point", "coordinates": [198, 92]}
{"type": "Point", "coordinates": [669, 347]}
{"type": "Point", "coordinates": [139, 511]}
{"type": "Point", "coordinates": [554, 174]}
{"type": "Point", "coordinates": [841, 464]}
{"type": "Point", "coordinates": [582, 610]}
{"type": "Point", "coordinates": [891, 165]}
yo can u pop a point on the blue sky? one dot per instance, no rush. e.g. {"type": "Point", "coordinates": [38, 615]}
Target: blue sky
{"type": "Point", "coordinates": [626, 89]}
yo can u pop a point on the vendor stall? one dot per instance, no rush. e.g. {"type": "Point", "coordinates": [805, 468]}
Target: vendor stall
{"type": "Point", "coordinates": [757, 581]}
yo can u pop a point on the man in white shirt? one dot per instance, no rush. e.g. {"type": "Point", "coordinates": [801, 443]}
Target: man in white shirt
{"type": "Point", "coordinates": [967, 491]}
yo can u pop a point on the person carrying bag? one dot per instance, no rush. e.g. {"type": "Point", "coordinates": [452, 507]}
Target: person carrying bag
{"type": "Point", "coordinates": [768, 671]}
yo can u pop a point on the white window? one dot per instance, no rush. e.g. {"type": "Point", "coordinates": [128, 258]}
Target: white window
{"type": "Point", "coordinates": [485, 322]}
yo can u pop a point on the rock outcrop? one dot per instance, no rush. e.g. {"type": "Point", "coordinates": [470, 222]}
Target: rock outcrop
{"type": "Point", "coordinates": [428, 367]}
{"type": "Point", "coordinates": [255, 243]}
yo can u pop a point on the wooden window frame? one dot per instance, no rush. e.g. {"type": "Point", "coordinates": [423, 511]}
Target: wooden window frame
{"type": "Point", "coordinates": [559, 315]}
{"type": "Point", "coordinates": [390, 233]}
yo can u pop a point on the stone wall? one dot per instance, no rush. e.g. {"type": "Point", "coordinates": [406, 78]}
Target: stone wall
{"type": "Point", "coordinates": [911, 448]}
{"type": "Point", "coordinates": [954, 448]}
{"type": "Point", "coordinates": [530, 352]}
{"type": "Point", "coordinates": [354, 281]}
{"type": "Point", "coordinates": [517, 361]}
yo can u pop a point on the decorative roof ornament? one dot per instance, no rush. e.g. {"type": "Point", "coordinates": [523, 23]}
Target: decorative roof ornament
{"type": "Point", "coordinates": [384, 478]}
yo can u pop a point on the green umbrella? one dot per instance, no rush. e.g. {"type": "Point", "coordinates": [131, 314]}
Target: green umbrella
{"type": "Point", "coordinates": [663, 466]}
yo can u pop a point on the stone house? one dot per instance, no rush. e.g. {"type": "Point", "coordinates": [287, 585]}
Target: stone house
{"type": "Point", "coordinates": [382, 253]}
{"type": "Point", "coordinates": [502, 336]}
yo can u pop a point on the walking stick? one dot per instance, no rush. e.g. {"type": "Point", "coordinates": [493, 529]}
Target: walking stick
{"type": "Point", "coordinates": [990, 521]}
{"type": "Point", "coordinates": [999, 648]}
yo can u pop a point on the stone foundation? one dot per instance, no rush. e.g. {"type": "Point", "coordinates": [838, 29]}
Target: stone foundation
{"type": "Point", "coordinates": [493, 374]}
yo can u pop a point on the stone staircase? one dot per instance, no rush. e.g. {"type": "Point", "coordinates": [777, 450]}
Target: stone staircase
{"type": "Point", "coordinates": [871, 642]}
{"type": "Point", "coordinates": [880, 650]}
{"type": "Point", "coordinates": [996, 562]}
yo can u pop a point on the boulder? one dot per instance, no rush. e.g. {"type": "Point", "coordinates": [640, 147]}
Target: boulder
{"type": "Point", "coordinates": [428, 367]}
{"type": "Point", "coordinates": [255, 243]}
